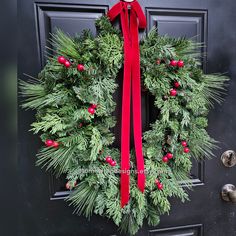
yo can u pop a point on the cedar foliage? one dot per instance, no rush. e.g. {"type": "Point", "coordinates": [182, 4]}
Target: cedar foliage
{"type": "Point", "coordinates": [61, 97]}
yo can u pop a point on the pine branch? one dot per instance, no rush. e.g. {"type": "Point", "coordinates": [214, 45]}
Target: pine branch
{"type": "Point", "coordinates": [83, 199]}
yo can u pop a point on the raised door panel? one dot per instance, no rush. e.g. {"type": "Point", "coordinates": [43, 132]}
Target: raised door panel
{"type": "Point", "coordinates": [183, 23]}
{"type": "Point", "coordinates": [180, 23]}
{"type": "Point", "coordinates": [189, 230]}
{"type": "Point", "coordinates": [72, 19]}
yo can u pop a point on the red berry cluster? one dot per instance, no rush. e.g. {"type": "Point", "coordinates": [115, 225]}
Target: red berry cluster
{"type": "Point", "coordinates": [68, 185]}
{"type": "Point", "coordinates": [185, 145]}
{"type": "Point", "coordinates": [178, 64]}
{"type": "Point", "coordinates": [92, 109]}
{"type": "Point", "coordinates": [173, 63]}
{"type": "Point", "coordinates": [159, 184]}
{"type": "Point", "coordinates": [173, 91]}
{"type": "Point", "coordinates": [62, 60]}
{"type": "Point", "coordinates": [110, 161]}
{"type": "Point", "coordinates": [51, 143]}
{"type": "Point", "coordinates": [167, 157]}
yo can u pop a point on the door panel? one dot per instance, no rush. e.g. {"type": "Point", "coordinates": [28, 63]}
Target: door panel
{"type": "Point", "coordinates": [72, 19]}
{"type": "Point", "coordinates": [191, 230]}
{"type": "Point", "coordinates": [180, 23]}
{"type": "Point", "coordinates": [43, 212]}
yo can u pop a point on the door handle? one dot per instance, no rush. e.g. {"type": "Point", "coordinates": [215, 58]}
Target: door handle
{"type": "Point", "coordinates": [228, 193]}
{"type": "Point", "coordinates": [228, 158]}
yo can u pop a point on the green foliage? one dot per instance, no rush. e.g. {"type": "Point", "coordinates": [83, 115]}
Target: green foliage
{"type": "Point", "coordinates": [84, 202]}
{"type": "Point", "coordinates": [62, 96]}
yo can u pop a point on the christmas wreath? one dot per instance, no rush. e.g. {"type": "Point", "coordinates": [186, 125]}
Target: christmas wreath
{"type": "Point", "coordinates": [74, 103]}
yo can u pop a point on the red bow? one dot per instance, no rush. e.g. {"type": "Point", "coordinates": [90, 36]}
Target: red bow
{"type": "Point", "coordinates": [130, 24]}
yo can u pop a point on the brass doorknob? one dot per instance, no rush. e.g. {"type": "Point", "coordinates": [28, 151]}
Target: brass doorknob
{"type": "Point", "coordinates": [228, 193]}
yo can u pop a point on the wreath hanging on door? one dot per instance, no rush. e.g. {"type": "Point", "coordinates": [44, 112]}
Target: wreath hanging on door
{"type": "Point", "coordinates": [74, 103]}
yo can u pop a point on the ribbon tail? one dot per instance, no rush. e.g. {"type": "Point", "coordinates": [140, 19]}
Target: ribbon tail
{"type": "Point", "coordinates": [125, 126]}
{"type": "Point", "coordinates": [132, 81]}
{"type": "Point", "coordinates": [125, 135]}
{"type": "Point", "coordinates": [136, 101]}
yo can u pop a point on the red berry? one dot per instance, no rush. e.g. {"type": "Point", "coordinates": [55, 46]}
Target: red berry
{"type": "Point", "coordinates": [173, 92]}
{"type": "Point", "coordinates": [55, 144]}
{"type": "Point", "coordinates": [81, 125]}
{"type": "Point", "coordinates": [91, 110]}
{"type": "Point", "coordinates": [109, 159]}
{"type": "Point", "coordinates": [173, 63]}
{"type": "Point", "coordinates": [158, 62]}
{"type": "Point", "coordinates": [180, 63]}
{"type": "Point", "coordinates": [61, 60]}
{"type": "Point", "coordinates": [169, 155]}
{"type": "Point", "coordinates": [113, 163]}
{"type": "Point", "coordinates": [186, 150]}
{"type": "Point", "coordinates": [49, 143]}
{"type": "Point", "coordinates": [67, 64]}
{"type": "Point", "coordinates": [176, 84]}
{"type": "Point", "coordinates": [184, 144]}
{"type": "Point", "coordinates": [94, 106]}
{"type": "Point", "coordinates": [157, 181]}
{"type": "Point", "coordinates": [68, 185]}
{"type": "Point", "coordinates": [165, 159]}
{"type": "Point", "coordinates": [160, 186]}
{"type": "Point", "coordinates": [80, 67]}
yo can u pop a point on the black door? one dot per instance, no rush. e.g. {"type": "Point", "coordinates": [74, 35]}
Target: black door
{"type": "Point", "coordinates": [42, 210]}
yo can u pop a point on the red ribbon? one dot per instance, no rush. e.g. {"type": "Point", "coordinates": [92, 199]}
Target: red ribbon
{"type": "Point", "coordinates": [130, 24]}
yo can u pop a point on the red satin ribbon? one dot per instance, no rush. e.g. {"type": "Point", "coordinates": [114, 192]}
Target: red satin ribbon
{"type": "Point", "coordinates": [130, 24]}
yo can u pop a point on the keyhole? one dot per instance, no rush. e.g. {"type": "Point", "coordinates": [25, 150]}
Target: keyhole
{"type": "Point", "coordinates": [230, 159]}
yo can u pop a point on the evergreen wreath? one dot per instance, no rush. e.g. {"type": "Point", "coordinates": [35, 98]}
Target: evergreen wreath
{"type": "Point", "coordinates": [73, 98]}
